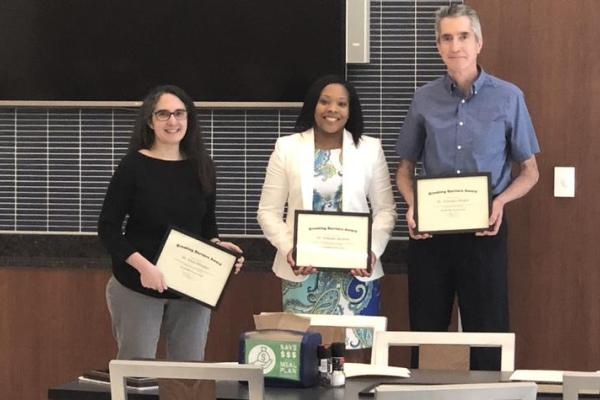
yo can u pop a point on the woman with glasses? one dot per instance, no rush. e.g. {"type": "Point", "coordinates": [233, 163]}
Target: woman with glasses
{"type": "Point", "coordinates": [166, 179]}
{"type": "Point", "coordinates": [328, 165]}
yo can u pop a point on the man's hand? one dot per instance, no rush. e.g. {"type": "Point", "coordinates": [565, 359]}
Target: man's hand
{"type": "Point", "coordinates": [404, 182]}
{"type": "Point", "coordinates": [410, 221]}
{"type": "Point", "coordinates": [519, 187]}
{"type": "Point", "coordinates": [495, 219]}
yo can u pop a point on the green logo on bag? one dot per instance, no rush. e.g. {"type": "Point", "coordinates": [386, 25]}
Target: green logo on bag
{"type": "Point", "coordinates": [277, 359]}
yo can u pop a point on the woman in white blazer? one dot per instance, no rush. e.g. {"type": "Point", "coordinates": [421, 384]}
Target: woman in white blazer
{"type": "Point", "coordinates": [328, 166]}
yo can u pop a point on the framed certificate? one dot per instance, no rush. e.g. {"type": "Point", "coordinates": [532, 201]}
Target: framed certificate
{"type": "Point", "coordinates": [195, 267]}
{"type": "Point", "coordinates": [452, 204]}
{"type": "Point", "coordinates": [336, 240]}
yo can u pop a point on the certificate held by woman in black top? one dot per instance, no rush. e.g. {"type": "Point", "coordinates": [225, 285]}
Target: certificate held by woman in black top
{"type": "Point", "coordinates": [195, 267]}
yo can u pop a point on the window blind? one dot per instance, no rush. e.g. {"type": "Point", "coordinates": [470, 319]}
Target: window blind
{"type": "Point", "coordinates": [55, 163]}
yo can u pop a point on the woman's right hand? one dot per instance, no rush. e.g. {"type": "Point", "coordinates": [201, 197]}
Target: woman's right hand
{"type": "Point", "coordinates": [299, 270]}
{"type": "Point", "coordinates": [152, 278]}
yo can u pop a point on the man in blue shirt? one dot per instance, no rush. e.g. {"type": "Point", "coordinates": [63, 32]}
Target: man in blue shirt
{"type": "Point", "coordinates": [464, 122]}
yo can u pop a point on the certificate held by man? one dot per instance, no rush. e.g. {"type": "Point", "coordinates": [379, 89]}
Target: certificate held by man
{"type": "Point", "coordinates": [194, 267]}
{"type": "Point", "coordinates": [452, 204]}
{"type": "Point", "coordinates": [332, 240]}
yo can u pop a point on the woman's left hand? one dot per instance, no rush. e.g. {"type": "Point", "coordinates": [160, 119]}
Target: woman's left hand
{"type": "Point", "coordinates": [364, 272]}
{"type": "Point", "coordinates": [239, 263]}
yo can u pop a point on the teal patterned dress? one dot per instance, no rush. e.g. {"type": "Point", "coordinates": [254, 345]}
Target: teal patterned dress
{"type": "Point", "coordinates": [333, 292]}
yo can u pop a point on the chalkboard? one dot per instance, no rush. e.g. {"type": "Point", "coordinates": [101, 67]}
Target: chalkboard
{"type": "Point", "coordinates": [217, 50]}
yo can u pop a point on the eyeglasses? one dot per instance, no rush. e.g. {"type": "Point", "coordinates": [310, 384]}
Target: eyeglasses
{"type": "Point", "coordinates": [164, 115]}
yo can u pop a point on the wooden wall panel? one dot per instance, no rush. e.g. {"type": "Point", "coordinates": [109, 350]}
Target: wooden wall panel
{"type": "Point", "coordinates": [549, 48]}
{"type": "Point", "coordinates": [54, 325]}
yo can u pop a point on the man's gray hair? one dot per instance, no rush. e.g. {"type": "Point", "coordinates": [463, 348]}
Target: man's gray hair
{"type": "Point", "coordinates": [458, 10]}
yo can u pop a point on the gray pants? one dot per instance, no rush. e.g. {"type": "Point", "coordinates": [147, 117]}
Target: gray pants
{"type": "Point", "coordinates": [137, 320]}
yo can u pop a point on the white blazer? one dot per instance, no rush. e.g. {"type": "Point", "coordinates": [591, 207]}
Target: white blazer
{"type": "Point", "coordinates": [289, 180]}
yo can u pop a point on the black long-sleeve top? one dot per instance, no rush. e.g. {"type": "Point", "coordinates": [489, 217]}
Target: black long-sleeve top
{"type": "Point", "coordinates": [154, 194]}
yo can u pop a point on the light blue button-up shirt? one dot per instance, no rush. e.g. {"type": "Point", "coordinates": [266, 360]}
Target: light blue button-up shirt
{"type": "Point", "coordinates": [482, 132]}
